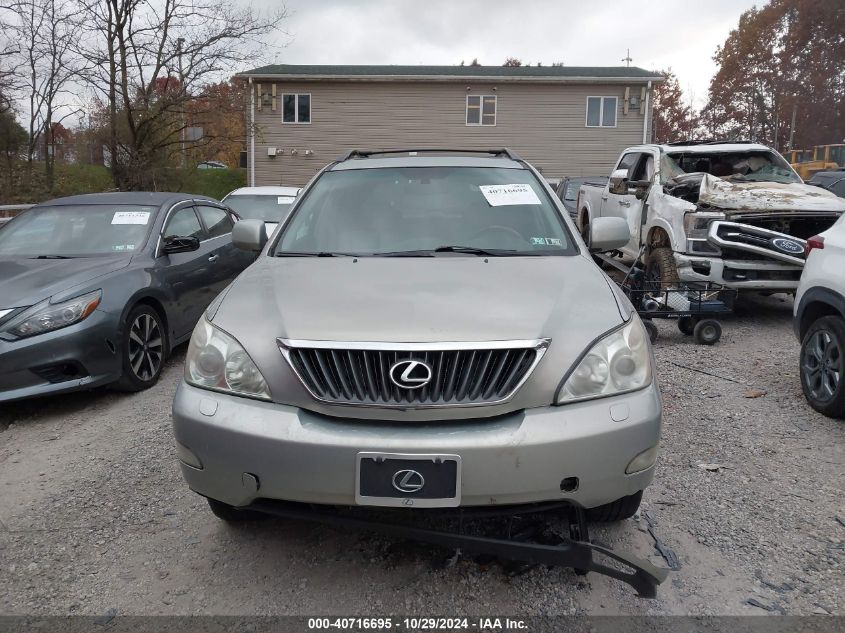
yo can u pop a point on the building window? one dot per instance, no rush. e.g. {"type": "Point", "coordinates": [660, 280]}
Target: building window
{"type": "Point", "coordinates": [481, 109]}
{"type": "Point", "coordinates": [296, 108]}
{"type": "Point", "coordinates": [601, 111]}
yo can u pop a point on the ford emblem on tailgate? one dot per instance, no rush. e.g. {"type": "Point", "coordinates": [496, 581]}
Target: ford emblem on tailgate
{"type": "Point", "coordinates": [788, 246]}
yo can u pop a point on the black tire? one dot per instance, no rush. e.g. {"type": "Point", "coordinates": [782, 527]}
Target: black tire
{"type": "Point", "coordinates": [661, 271]}
{"type": "Point", "coordinates": [651, 328]}
{"type": "Point", "coordinates": [231, 514]}
{"type": "Point", "coordinates": [707, 332]}
{"type": "Point", "coordinates": [822, 359]}
{"type": "Point", "coordinates": [619, 510]}
{"type": "Point", "coordinates": [686, 324]}
{"type": "Point", "coordinates": [143, 349]}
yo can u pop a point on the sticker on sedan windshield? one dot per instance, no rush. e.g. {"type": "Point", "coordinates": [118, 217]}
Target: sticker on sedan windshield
{"type": "Point", "coordinates": [284, 200]}
{"type": "Point", "coordinates": [506, 195]}
{"type": "Point", "coordinates": [131, 217]}
{"type": "Point", "coordinates": [546, 241]}
{"type": "Point", "coordinates": [123, 247]}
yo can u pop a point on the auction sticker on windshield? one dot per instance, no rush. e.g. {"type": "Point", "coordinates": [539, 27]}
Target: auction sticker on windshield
{"type": "Point", "coordinates": [131, 217]}
{"type": "Point", "coordinates": [284, 200]}
{"type": "Point", "coordinates": [505, 195]}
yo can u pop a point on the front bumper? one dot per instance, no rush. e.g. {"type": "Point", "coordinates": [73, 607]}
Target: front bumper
{"type": "Point", "coordinates": [741, 274]}
{"type": "Point", "coordinates": [251, 450]}
{"type": "Point", "coordinates": [72, 358]}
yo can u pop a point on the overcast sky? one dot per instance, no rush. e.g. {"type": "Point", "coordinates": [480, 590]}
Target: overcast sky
{"type": "Point", "coordinates": [682, 34]}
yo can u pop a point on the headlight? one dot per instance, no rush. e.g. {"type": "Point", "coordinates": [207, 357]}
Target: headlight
{"type": "Point", "coordinates": [618, 363]}
{"type": "Point", "coordinates": [46, 317]}
{"type": "Point", "coordinates": [216, 361]}
{"type": "Point", "coordinates": [697, 226]}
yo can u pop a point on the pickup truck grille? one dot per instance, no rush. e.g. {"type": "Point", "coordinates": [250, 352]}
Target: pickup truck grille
{"type": "Point", "coordinates": [413, 375]}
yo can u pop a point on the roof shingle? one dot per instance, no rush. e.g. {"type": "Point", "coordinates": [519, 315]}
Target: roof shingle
{"type": "Point", "coordinates": [532, 72]}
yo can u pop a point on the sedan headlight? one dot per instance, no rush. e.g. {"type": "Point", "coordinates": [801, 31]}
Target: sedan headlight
{"type": "Point", "coordinates": [620, 362]}
{"type": "Point", "coordinates": [217, 361]}
{"type": "Point", "coordinates": [46, 317]}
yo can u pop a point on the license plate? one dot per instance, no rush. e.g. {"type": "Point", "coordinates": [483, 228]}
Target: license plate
{"type": "Point", "coordinates": [418, 481]}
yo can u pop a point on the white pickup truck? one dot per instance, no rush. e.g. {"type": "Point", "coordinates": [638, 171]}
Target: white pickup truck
{"type": "Point", "coordinates": [733, 213]}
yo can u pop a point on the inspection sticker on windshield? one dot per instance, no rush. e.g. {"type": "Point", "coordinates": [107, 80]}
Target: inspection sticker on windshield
{"type": "Point", "coordinates": [285, 200]}
{"type": "Point", "coordinates": [131, 217]}
{"type": "Point", "coordinates": [546, 241]}
{"type": "Point", "coordinates": [505, 195]}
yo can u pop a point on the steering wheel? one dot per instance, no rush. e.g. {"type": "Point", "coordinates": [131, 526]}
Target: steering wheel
{"type": "Point", "coordinates": [498, 228]}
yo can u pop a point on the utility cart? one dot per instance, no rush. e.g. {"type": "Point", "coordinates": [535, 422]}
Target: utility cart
{"type": "Point", "coordinates": [697, 306]}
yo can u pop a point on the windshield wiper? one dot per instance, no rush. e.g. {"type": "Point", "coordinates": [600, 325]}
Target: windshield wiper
{"type": "Point", "coordinates": [52, 257]}
{"type": "Point", "coordinates": [469, 250]}
{"type": "Point", "coordinates": [308, 254]}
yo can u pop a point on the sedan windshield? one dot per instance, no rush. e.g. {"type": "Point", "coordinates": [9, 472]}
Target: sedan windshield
{"type": "Point", "coordinates": [266, 208]}
{"type": "Point", "coordinates": [77, 231]}
{"type": "Point", "coordinates": [426, 211]}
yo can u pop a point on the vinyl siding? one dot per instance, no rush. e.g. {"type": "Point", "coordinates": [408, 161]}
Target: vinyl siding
{"type": "Point", "coordinates": [544, 123]}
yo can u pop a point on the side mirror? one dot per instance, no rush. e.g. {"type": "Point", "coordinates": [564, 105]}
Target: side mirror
{"type": "Point", "coordinates": [178, 244]}
{"type": "Point", "coordinates": [249, 235]}
{"type": "Point", "coordinates": [607, 234]}
{"type": "Point", "coordinates": [618, 183]}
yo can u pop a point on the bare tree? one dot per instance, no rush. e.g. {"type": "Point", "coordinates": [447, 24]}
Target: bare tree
{"type": "Point", "coordinates": [152, 62]}
{"type": "Point", "coordinates": [45, 33]}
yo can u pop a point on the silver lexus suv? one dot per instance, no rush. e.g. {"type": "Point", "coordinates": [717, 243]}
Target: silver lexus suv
{"type": "Point", "coordinates": [424, 330]}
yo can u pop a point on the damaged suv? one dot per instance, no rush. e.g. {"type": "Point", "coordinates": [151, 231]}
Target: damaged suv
{"type": "Point", "coordinates": [731, 213]}
{"type": "Point", "coordinates": [424, 331]}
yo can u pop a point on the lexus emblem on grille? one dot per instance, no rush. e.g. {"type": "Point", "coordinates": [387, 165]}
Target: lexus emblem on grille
{"type": "Point", "coordinates": [410, 374]}
{"type": "Point", "coordinates": [408, 481]}
{"type": "Point", "coordinates": [788, 246]}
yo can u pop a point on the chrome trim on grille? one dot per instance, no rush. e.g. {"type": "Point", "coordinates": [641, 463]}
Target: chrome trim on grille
{"type": "Point", "coordinates": [389, 398]}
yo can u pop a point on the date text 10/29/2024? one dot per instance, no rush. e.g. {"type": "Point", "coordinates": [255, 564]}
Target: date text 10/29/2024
{"type": "Point", "coordinates": [417, 624]}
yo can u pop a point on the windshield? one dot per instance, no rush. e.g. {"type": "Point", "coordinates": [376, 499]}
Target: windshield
{"type": "Point", "coordinates": [737, 166]}
{"type": "Point", "coordinates": [265, 207]}
{"type": "Point", "coordinates": [414, 211]}
{"type": "Point", "coordinates": [77, 231]}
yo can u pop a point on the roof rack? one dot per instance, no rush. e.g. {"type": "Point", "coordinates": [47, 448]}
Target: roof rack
{"type": "Point", "coordinates": [711, 141]}
{"type": "Point", "coordinates": [366, 153]}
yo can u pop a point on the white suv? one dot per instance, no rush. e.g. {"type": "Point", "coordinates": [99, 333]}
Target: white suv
{"type": "Point", "coordinates": [820, 321]}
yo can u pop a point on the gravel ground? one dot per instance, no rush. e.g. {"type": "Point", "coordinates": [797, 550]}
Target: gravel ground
{"type": "Point", "coordinates": [95, 518]}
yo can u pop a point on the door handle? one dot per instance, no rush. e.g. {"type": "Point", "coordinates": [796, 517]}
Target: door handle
{"type": "Point", "coordinates": [624, 203]}
{"type": "Point", "coordinates": [213, 258]}
{"type": "Point", "coordinates": [604, 197]}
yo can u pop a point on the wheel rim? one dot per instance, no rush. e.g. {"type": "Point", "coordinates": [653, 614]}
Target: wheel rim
{"type": "Point", "coordinates": [822, 365]}
{"type": "Point", "coordinates": [145, 347]}
{"type": "Point", "coordinates": [708, 332]}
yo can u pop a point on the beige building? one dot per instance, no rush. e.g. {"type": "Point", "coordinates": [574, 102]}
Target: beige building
{"type": "Point", "coordinates": [567, 121]}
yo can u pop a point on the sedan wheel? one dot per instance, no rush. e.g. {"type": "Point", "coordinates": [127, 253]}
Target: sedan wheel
{"type": "Point", "coordinates": [144, 349]}
{"type": "Point", "coordinates": [822, 364]}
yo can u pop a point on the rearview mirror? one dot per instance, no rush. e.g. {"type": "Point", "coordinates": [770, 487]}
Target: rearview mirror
{"type": "Point", "coordinates": [178, 244]}
{"type": "Point", "coordinates": [618, 183]}
{"type": "Point", "coordinates": [607, 234]}
{"type": "Point", "coordinates": [249, 235]}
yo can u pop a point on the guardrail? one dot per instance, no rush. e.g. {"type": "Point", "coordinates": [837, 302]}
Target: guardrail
{"type": "Point", "coordinates": [11, 210]}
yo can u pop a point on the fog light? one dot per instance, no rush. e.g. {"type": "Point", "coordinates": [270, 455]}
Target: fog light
{"type": "Point", "coordinates": [187, 457]}
{"type": "Point", "coordinates": [642, 461]}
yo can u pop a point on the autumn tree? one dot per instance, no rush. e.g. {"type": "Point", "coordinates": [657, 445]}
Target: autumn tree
{"type": "Point", "coordinates": [785, 59]}
{"type": "Point", "coordinates": [674, 120]}
{"type": "Point", "coordinates": [512, 62]}
{"type": "Point", "coordinates": [152, 62]}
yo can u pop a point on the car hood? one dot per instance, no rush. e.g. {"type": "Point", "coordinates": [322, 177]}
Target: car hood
{"type": "Point", "coordinates": [25, 281]}
{"type": "Point", "coordinates": [422, 300]}
{"type": "Point", "coordinates": [767, 196]}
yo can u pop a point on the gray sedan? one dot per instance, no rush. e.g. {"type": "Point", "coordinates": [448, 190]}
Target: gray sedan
{"type": "Point", "coordinates": [98, 289]}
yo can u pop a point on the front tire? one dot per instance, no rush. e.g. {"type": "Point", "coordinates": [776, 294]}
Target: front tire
{"type": "Point", "coordinates": [618, 510]}
{"type": "Point", "coordinates": [661, 271]}
{"type": "Point", "coordinates": [143, 349]}
{"type": "Point", "coordinates": [822, 364]}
